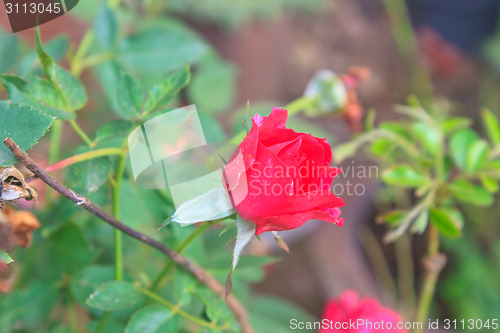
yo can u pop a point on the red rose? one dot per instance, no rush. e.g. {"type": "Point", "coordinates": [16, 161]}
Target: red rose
{"type": "Point", "coordinates": [279, 179]}
{"type": "Point", "coordinates": [340, 316]}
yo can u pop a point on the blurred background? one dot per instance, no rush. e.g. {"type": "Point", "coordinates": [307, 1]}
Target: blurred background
{"type": "Point", "coordinates": [267, 53]}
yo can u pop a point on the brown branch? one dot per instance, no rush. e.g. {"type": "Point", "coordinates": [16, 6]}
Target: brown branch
{"type": "Point", "coordinates": [198, 272]}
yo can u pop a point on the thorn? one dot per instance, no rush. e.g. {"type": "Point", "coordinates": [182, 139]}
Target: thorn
{"type": "Point", "coordinates": [222, 158]}
{"type": "Point", "coordinates": [281, 243]}
{"type": "Point", "coordinates": [165, 223]}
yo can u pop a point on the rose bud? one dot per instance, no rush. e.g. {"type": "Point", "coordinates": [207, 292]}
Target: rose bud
{"type": "Point", "coordinates": [279, 179]}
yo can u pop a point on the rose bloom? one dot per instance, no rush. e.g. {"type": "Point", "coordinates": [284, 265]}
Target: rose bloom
{"type": "Point", "coordinates": [350, 309]}
{"type": "Point", "coordinates": [279, 179]}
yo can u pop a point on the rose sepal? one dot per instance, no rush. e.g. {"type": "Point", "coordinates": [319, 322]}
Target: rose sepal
{"type": "Point", "coordinates": [245, 232]}
{"type": "Point", "coordinates": [212, 205]}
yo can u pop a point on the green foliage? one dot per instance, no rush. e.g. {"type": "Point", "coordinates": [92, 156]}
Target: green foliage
{"type": "Point", "coordinates": [5, 258]}
{"type": "Point", "coordinates": [106, 25]}
{"type": "Point", "coordinates": [23, 124]}
{"type": "Point", "coordinates": [441, 158]}
{"type": "Point", "coordinates": [153, 319]}
{"type": "Point", "coordinates": [404, 175]}
{"type": "Point", "coordinates": [29, 307]}
{"type": "Point", "coordinates": [468, 288]}
{"type": "Point", "coordinates": [60, 87]}
{"type": "Point", "coordinates": [160, 94]}
{"type": "Point", "coordinates": [213, 86]}
{"type": "Point", "coordinates": [161, 48]}
{"type": "Point", "coordinates": [448, 222]}
{"type": "Point", "coordinates": [130, 96]}
{"type": "Point", "coordinates": [112, 296]}
{"type": "Point", "coordinates": [271, 314]}
{"type": "Point", "coordinates": [89, 176]}
{"type": "Point", "coordinates": [87, 280]}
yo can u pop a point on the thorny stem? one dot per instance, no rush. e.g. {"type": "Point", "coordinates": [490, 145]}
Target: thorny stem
{"type": "Point", "coordinates": [199, 273]}
{"type": "Point", "coordinates": [433, 264]}
{"type": "Point", "coordinates": [198, 231]}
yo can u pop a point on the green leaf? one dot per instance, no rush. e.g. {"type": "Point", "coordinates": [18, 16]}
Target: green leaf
{"type": "Point", "coordinates": [106, 28]}
{"type": "Point", "coordinates": [162, 93]}
{"type": "Point", "coordinates": [400, 130]}
{"type": "Point", "coordinates": [490, 184]}
{"type": "Point", "coordinates": [392, 218]}
{"type": "Point", "coordinates": [161, 48]}
{"type": "Point", "coordinates": [22, 124]}
{"type": "Point", "coordinates": [466, 192]}
{"type": "Point", "coordinates": [381, 146]}
{"type": "Point", "coordinates": [492, 126]}
{"type": "Point", "coordinates": [5, 258]}
{"type": "Point", "coordinates": [477, 155]}
{"type": "Point", "coordinates": [453, 124]}
{"type": "Point", "coordinates": [428, 135]}
{"type": "Point", "coordinates": [110, 325]}
{"type": "Point", "coordinates": [216, 309]}
{"type": "Point", "coordinates": [184, 286]}
{"type": "Point", "coordinates": [421, 222]}
{"type": "Point", "coordinates": [130, 96]}
{"type": "Point", "coordinates": [459, 145]}
{"type": "Point", "coordinates": [141, 207]}
{"type": "Point", "coordinates": [213, 86]}
{"type": "Point", "coordinates": [404, 175]}
{"type": "Point", "coordinates": [69, 87]}
{"type": "Point", "coordinates": [89, 279]}
{"type": "Point", "coordinates": [69, 251]}
{"type": "Point", "coordinates": [153, 319]}
{"type": "Point", "coordinates": [88, 176]}
{"type": "Point", "coordinates": [48, 64]}
{"type": "Point", "coordinates": [269, 314]}
{"type": "Point", "coordinates": [108, 74]}
{"type": "Point", "coordinates": [72, 90]}
{"type": "Point", "coordinates": [209, 206]}
{"type": "Point", "coordinates": [113, 296]}
{"type": "Point", "coordinates": [9, 50]}
{"type": "Point", "coordinates": [113, 129]}
{"type": "Point", "coordinates": [27, 309]}
{"type": "Point", "coordinates": [30, 65]}
{"type": "Point", "coordinates": [18, 92]}
{"type": "Point", "coordinates": [446, 221]}
{"type": "Point", "coordinates": [45, 92]}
